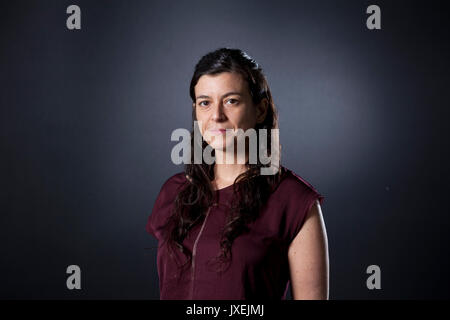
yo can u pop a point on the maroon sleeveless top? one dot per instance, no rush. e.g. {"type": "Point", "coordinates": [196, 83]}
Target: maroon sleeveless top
{"type": "Point", "coordinates": [259, 267]}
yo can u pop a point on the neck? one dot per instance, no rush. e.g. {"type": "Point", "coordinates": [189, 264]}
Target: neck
{"type": "Point", "coordinates": [226, 173]}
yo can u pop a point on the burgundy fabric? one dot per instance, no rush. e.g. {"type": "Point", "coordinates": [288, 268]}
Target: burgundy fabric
{"type": "Point", "coordinates": [259, 268]}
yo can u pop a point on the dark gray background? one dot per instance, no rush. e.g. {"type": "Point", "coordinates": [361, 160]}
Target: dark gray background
{"type": "Point", "coordinates": [86, 118]}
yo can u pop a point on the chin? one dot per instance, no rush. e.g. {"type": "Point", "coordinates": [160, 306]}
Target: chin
{"type": "Point", "coordinates": [221, 145]}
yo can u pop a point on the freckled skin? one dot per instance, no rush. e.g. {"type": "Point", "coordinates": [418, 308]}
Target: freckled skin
{"type": "Point", "coordinates": [216, 108]}
{"type": "Point", "coordinates": [308, 253]}
{"type": "Point", "coordinates": [308, 259]}
{"type": "Point", "coordinates": [230, 112]}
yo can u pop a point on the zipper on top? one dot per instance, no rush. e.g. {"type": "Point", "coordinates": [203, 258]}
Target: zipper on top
{"type": "Point", "coordinates": [194, 251]}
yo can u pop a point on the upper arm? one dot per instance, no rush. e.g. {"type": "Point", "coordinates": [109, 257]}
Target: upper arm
{"type": "Point", "coordinates": [308, 258]}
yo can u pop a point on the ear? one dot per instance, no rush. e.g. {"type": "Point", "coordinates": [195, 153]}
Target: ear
{"type": "Point", "coordinates": [261, 110]}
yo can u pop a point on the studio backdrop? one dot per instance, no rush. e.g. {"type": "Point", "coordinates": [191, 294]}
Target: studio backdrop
{"type": "Point", "coordinates": [91, 92]}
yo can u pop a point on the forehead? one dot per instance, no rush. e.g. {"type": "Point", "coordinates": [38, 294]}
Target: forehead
{"type": "Point", "coordinates": [219, 83]}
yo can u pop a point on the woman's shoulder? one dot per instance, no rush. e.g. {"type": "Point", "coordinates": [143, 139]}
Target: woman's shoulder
{"type": "Point", "coordinates": [174, 182]}
{"type": "Point", "coordinates": [169, 190]}
{"type": "Point", "coordinates": [177, 178]}
{"type": "Point", "coordinates": [295, 196]}
{"type": "Point", "coordinates": [163, 203]}
{"type": "Point", "coordinates": [294, 183]}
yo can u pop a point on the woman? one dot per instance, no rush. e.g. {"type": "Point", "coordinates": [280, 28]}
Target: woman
{"type": "Point", "coordinates": [224, 230]}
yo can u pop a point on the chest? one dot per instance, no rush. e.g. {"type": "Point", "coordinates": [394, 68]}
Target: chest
{"type": "Point", "coordinates": [261, 244]}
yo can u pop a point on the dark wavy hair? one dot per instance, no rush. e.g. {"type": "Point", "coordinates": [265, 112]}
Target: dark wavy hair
{"type": "Point", "coordinates": [251, 189]}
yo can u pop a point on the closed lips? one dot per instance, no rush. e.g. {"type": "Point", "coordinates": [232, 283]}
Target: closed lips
{"type": "Point", "coordinates": [218, 131]}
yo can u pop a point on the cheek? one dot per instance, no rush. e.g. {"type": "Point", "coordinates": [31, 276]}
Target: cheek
{"type": "Point", "coordinates": [246, 119]}
{"type": "Point", "coordinates": [202, 123]}
{"type": "Point", "coordinates": [196, 115]}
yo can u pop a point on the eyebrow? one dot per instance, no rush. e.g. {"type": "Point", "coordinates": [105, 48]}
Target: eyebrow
{"type": "Point", "coordinates": [225, 95]}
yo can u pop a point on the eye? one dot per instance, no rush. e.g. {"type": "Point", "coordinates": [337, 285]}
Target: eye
{"type": "Point", "coordinates": [202, 105]}
{"type": "Point", "coordinates": [233, 101]}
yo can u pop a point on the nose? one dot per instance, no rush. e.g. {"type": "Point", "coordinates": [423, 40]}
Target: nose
{"type": "Point", "coordinates": [218, 112]}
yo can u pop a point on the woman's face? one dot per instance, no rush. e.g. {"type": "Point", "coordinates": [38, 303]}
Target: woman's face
{"type": "Point", "coordinates": [223, 101]}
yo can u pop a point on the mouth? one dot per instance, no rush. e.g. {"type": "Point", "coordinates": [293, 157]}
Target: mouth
{"type": "Point", "coordinates": [218, 131]}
